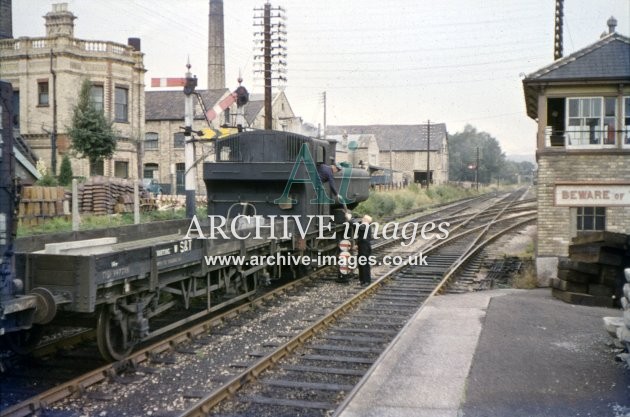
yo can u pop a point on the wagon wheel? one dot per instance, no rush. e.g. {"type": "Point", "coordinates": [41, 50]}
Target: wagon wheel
{"type": "Point", "coordinates": [24, 341]}
{"type": "Point", "coordinates": [112, 335]}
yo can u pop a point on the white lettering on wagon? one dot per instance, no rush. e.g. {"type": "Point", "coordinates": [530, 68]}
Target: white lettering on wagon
{"type": "Point", "coordinates": [116, 273]}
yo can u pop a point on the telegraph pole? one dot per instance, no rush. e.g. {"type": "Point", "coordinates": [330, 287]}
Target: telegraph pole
{"type": "Point", "coordinates": [53, 134]}
{"type": "Point", "coordinates": [477, 171]}
{"type": "Point", "coordinates": [557, 38]}
{"type": "Point", "coordinates": [324, 98]}
{"type": "Point", "coordinates": [271, 43]}
{"type": "Point", "coordinates": [189, 146]}
{"type": "Point", "coordinates": [428, 151]}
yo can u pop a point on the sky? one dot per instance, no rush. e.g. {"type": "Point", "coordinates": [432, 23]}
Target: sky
{"type": "Point", "coordinates": [379, 62]}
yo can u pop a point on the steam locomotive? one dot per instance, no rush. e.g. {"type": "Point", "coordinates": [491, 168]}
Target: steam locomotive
{"type": "Point", "coordinates": [118, 280]}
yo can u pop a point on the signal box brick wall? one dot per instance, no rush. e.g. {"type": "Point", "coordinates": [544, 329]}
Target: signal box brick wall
{"type": "Point", "coordinates": [555, 224]}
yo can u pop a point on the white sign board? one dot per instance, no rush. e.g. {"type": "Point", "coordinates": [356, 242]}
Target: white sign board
{"type": "Point", "coordinates": [596, 195]}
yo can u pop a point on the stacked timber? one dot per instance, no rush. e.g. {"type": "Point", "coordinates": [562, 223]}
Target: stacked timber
{"type": "Point", "coordinates": [106, 195]}
{"type": "Point", "coordinates": [39, 204]}
{"type": "Point", "coordinates": [593, 273]}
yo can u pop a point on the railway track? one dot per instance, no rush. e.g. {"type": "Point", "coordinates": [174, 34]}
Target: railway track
{"type": "Point", "coordinates": [174, 352]}
{"type": "Point", "coordinates": [315, 375]}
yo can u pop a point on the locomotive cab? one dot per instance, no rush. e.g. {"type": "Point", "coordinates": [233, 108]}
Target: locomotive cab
{"type": "Point", "coordinates": [276, 173]}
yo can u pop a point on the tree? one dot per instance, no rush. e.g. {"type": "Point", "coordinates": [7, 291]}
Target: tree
{"type": "Point", "coordinates": [462, 148]}
{"type": "Point", "coordinates": [65, 171]}
{"type": "Point", "coordinates": [92, 134]}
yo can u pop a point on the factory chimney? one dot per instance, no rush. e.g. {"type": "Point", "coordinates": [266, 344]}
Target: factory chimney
{"type": "Point", "coordinates": [6, 20]}
{"type": "Point", "coordinates": [216, 47]}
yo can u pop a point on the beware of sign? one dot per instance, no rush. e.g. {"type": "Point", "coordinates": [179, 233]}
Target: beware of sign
{"type": "Point", "coordinates": [595, 195]}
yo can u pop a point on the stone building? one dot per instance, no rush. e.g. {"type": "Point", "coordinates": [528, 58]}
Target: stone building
{"type": "Point", "coordinates": [582, 106]}
{"type": "Point", "coordinates": [47, 73]}
{"type": "Point", "coordinates": [282, 114]}
{"type": "Point", "coordinates": [359, 150]}
{"type": "Point", "coordinates": [403, 149]}
{"type": "Point", "coordinates": [163, 154]}
{"type": "Point", "coordinates": [163, 150]}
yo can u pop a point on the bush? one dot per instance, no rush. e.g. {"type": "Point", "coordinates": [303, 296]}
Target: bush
{"type": "Point", "coordinates": [47, 180]}
{"type": "Point", "coordinates": [65, 171]}
{"type": "Point", "coordinates": [387, 203]}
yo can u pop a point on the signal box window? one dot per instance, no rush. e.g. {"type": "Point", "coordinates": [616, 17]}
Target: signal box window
{"type": "Point", "coordinates": [122, 107]}
{"type": "Point", "coordinates": [591, 219]}
{"type": "Point", "coordinates": [42, 93]}
{"type": "Point", "coordinates": [591, 121]}
{"type": "Point", "coordinates": [626, 122]}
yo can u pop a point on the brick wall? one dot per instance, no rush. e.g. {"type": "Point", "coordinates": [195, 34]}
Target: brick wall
{"type": "Point", "coordinates": [554, 223]}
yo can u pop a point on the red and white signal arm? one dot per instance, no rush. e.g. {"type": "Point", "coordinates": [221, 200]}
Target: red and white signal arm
{"type": "Point", "coordinates": [168, 82]}
{"type": "Point", "coordinates": [344, 258]}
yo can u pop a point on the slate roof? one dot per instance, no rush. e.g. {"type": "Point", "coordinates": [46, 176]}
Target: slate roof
{"type": "Point", "coordinates": [252, 109]}
{"type": "Point", "coordinates": [607, 60]}
{"type": "Point", "coordinates": [169, 105]}
{"type": "Point", "coordinates": [362, 139]}
{"type": "Point", "coordinates": [401, 137]}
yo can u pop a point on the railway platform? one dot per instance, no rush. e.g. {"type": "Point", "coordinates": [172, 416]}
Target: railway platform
{"type": "Point", "coordinates": [494, 354]}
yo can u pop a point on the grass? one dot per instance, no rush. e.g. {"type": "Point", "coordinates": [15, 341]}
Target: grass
{"type": "Point", "coordinates": [526, 279]}
{"type": "Point", "coordinates": [387, 203]}
{"type": "Point", "coordinates": [89, 222]}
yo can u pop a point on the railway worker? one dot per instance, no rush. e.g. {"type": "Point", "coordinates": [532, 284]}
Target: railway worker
{"type": "Point", "coordinates": [326, 173]}
{"type": "Point", "coordinates": [364, 246]}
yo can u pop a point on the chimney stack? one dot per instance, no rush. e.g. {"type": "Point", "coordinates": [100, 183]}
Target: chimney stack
{"type": "Point", "coordinates": [60, 21]}
{"type": "Point", "coordinates": [6, 20]}
{"type": "Point", "coordinates": [612, 24]}
{"type": "Point", "coordinates": [216, 47]}
{"type": "Point", "coordinates": [134, 43]}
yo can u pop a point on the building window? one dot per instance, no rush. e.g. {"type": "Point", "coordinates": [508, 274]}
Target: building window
{"type": "Point", "coordinates": [151, 171]}
{"type": "Point", "coordinates": [42, 93]}
{"type": "Point", "coordinates": [591, 121]}
{"type": "Point", "coordinates": [626, 121]}
{"type": "Point", "coordinates": [121, 169]}
{"type": "Point", "coordinates": [97, 168]}
{"type": "Point", "coordinates": [16, 109]}
{"type": "Point", "coordinates": [96, 97]}
{"type": "Point", "coordinates": [591, 218]}
{"type": "Point", "coordinates": [151, 141]}
{"type": "Point", "coordinates": [121, 104]}
{"type": "Point", "coordinates": [179, 140]}
{"type": "Point", "coordinates": [180, 177]}
{"type": "Point", "coordinates": [227, 116]}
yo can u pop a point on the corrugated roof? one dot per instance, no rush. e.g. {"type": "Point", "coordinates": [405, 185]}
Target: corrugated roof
{"type": "Point", "coordinates": [169, 105]}
{"type": "Point", "coordinates": [401, 137]}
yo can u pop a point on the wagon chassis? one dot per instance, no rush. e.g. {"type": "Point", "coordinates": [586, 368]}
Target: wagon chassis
{"type": "Point", "coordinates": [118, 288]}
